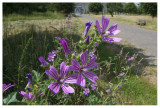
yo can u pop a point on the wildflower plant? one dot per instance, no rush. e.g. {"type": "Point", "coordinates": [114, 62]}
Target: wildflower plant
{"type": "Point", "coordinates": [71, 72]}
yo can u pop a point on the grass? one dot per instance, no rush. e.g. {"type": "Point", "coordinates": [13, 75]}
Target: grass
{"type": "Point", "coordinates": [16, 35]}
{"type": "Point", "coordinates": [151, 24]}
{"type": "Point", "coordinates": [34, 16]}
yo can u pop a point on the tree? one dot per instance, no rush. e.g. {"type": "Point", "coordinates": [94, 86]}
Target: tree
{"type": "Point", "coordinates": [95, 7]}
{"type": "Point", "coordinates": [114, 7]}
{"type": "Point", "coordinates": [66, 8]}
{"type": "Point", "coordinates": [150, 8]}
{"type": "Point", "coordinates": [130, 8]}
{"type": "Point", "coordinates": [111, 7]}
{"type": "Point", "coordinates": [119, 7]}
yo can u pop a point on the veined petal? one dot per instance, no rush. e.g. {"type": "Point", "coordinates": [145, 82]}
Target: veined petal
{"type": "Point", "coordinates": [84, 57]}
{"type": "Point", "coordinates": [67, 89]}
{"type": "Point", "coordinates": [54, 87]}
{"type": "Point", "coordinates": [98, 27]}
{"type": "Point", "coordinates": [52, 73]}
{"type": "Point", "coordinates": [113, 27]}
{"type": "Point", "coordinates": [63, 69]}
{"type": "Point", "coordinates": [113, 39]}
{"type": "Point", "coordinates": [91, 64]}
{"type": "Point", "coordinates": [105, 22]}
{"type": "Point", "coordinates": [81, 81]}
{"type": "Point", "coordinates": [71, 79]}
{"type": "Point", "coordinates": [75, 65]}
{"type": "Point", "coordinates": [91, 76]}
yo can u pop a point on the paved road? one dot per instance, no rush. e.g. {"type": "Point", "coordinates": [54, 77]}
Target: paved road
{"type": "Point", "coordinates": [141, 38]}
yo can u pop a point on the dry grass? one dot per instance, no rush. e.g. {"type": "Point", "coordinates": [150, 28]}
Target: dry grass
{"type": "Point", "coordinates": [132, 19]}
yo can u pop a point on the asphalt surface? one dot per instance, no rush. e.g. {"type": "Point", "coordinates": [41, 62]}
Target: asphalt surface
{"type": "Point", "coordinates": [141, 38]}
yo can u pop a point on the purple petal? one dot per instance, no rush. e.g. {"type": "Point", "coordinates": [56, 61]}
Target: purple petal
{"type": "Point", "coordinates": [91, 76]}
{"type": "Point", "coordinates": [67, 89]}
{"type": "Point", "coordinates": [113, 27]}
{"type": "Point", "coordinates": [87, 39]}
{"type": "Point", "coordinates": [84, 57]}
{"type": "Point", "coordinates": [24, 94]}
{"type": "Point", "coordinates": [5, 87]}
{"type": "Point", "coordinates": [75, 65]}
{"type": "Point", "coordinates": [63, 69]}
{"type": "Point", "coordinates": [98, 27]}
{"type": "Point", "coordinates": [105, 23]}
{"type": "Point", "coordinates": [130, 58]}
{"type": "Point", "coordinates": [108, 91]}
{"type": "Point", "coordinates": [52, 73]}
{"type": "Point", "coordinates": [31, 96]}
{"type": "Point", "coordinates": [54, 87]}
{"type": "Point", "coordinates": [121, 74]}
{"type": "Point", "coordinates": [88, 25]}
{"type": "Point", "coordinates": [91, 64]}
{"type": "Point", "coordinates": [115, 32]}
{"type": "Point", "coordinates": [112, 39]}
{"type": "Point", "coordinates": [71, 79]}
{"type": "Point", "coordinates": [65, 46]}
{"type": "Point", "coordinates": [81, 81]}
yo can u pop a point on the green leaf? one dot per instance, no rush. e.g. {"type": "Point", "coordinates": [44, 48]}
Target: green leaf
{"type": "Point", "coordinates": [10, 98]}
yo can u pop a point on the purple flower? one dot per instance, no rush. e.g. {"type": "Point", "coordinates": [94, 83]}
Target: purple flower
{"type": "Point", "coordinates": [91, 54]}
{"type": "Point", "coordinates": [51, 55]}
{"type": "Point", "coordinates": [130, 58]}
{"type": "Point", "coordinates": [83, 69]}
{"type": "Point", "coordinates": [65, 46]}
{"type": "Point", "coordinates": [69, 26]}
{"type": "Point", "coordinates": [120, 86]}
{"type": "Point", "coordinates": [87, 39]}
{"type": "Point", "coordinates": [5, 87]}
{"type": "Point", "coordinates": [55, 86]}
{"type": "Point", "coordinates": [43, 62]}
{"type": "Point", "coordinates": [96, 44]}
{"type": "Point", "coordinates": [58, 38]}
{"type": "Point", "coordinates": [108, 91]}
{"type": "Point", "coordinates": [40, 94]}
{"type": "Point", "coordinates": [93, 86]}
{"type": "Point", "coordinates": [65, 21]}
{"type": "Point", "coordinates": [67, 39]}
{"type": "Point", "coordinates": [121, 74]}
{"type": "Point", "coordinates": [27, 95]}
{"type": "Point", "coordinates": [88, 25]}
{"type": "Point", "coordinates": [86, 91]}
{"type": "Point", "coordinates": [111, 31]}
{"type": "Point", "coordinates": [29, 75]}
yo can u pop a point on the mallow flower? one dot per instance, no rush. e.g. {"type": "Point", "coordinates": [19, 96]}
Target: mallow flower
{"type": "Point", "coordinates": [111, 31]}
{"type": "Point", "coordinates": [5, 87]}
{"type": "Point", "coordinates": [51, 55]}
{"type": "Point", "coordinates": [87, 39]}
{"type": "Point", "coordinates": [86, 91]}
{"type": "Point", "coordinates": [60, 82]}
{"type": "Point", "coordinates": [88, 25]}
{"type": "Point", "coordinates": [43, 62]}
{"type": "Point", "coordinates": [83, 69]}
{"type": "Point", "coordinates": [65, 46]}
{"type": "Point", "coordinates": [29, 95]}
{"type": "Point", "coordinates": [29, 75]}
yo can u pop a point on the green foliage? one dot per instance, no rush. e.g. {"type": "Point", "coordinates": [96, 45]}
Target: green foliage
{"type": "Point", "coordinates": [114, 7]}
{"type": "Point", "coordinates": [28, 8]}
{"type": "Point", "coordinates": [130, 8]}
{"type": "Point", "coordinates": [65, 8]}
{"type": "Point", "coordinates": [150, 8]}
{"type": "Point", "coordinates": [10, 98]}
{"type": "Point", "coordinates": [95, 7]}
